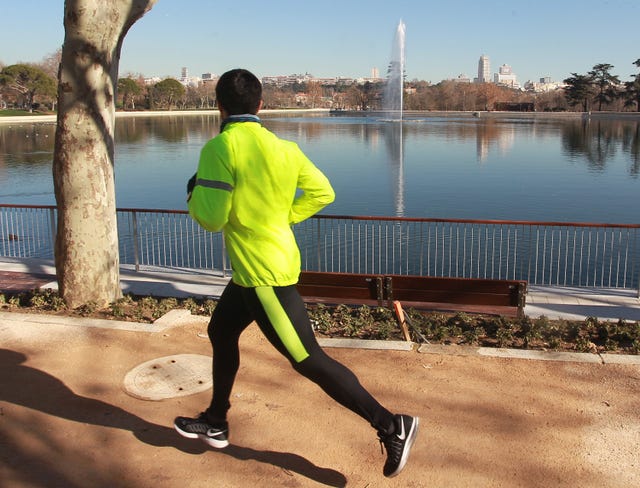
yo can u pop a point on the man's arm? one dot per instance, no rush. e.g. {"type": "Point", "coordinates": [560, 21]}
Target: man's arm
{"type": "Point", "coordinates": [317, 193]}
{"type": "Point", "coordinates": [209, 201]}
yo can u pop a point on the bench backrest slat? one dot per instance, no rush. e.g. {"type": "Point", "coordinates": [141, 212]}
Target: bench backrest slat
{"type": "Point", "coordinates": [414, 289]}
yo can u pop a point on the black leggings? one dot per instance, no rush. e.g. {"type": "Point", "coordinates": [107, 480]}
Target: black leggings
{"type": "Point", "coordinates": [283, 319]}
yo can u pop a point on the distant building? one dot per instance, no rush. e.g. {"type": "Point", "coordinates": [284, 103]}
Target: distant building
{"type": "Point", "coordinates": [543, 86]}
{"type": "Point", "coordinates": [285, 80]}
{"type": "Point", "coordinates": [506, 77]}
{"type": "Point", "coordinates": [209, 77]}
{"type": "Point", "coordinates": [152, 80]}
{"type": "Point", "coordinates": [288, 80]}
{"type": "Point", "coordinates": [462, 78]}
{"type": "Point", "coordinates": [323, 81]}
{"type": "Point", "coordinates": [187, 80]}
{"type": "Point", "coordinates": [484, 70]}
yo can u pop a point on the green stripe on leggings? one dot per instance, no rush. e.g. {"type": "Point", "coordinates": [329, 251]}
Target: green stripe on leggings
{"type": "Point", "coordinates": [281, 323]}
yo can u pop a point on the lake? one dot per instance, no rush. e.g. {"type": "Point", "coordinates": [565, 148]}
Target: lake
{"type": "Point", "coordinates": [563, 169]}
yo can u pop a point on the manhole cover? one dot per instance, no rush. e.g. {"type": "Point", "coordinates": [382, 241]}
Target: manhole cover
{"type": "Point", "coordinates": [169, 377]}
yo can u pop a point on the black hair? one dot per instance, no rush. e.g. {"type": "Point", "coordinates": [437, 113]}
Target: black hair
{"type": "Point", "coordinates": [239, 92]}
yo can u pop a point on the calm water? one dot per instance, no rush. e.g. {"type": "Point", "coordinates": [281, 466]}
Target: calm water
{"type": "Point", "coordinates": [510, 168]}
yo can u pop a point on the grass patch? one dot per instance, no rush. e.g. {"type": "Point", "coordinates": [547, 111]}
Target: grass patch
{"type": "Point", "coordinates": [20, 113]}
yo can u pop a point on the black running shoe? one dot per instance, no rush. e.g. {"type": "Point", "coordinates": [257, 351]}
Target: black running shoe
{"type": "Point", "coordinates": [398, 444]}
{"type": "Point", "coordinates": [216, 436]}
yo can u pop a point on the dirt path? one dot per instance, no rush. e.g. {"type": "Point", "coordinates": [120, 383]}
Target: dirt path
{"type": "Point", "coordinates": [65, 419]}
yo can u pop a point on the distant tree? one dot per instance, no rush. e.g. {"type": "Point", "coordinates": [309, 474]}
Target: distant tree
{"type": "Point", "coordinates": [360, 97]}
{"type": "Point", "coordinates": [28, 81]}
{"type": "Point", "coordinates": [605, 82]}
{"type": "Point", "coordinates": [205, 94]}
{"type": "Point", "coordinates": [579, 90]}
{"type": "Point", "coordinates": [420, 98]}
{"type": "Point", "coordinates": [632, 89]}
{"type": "Point", "coordinates": [275, 97]}
{"type": "Point", "coordinates": [488, 95]}
{"type": "Point", "coordinates": [128, 90]}
{"type": "Point", "coordinates": [50, 64]}
{"type": "Point", "coordinates": [86, 249]}
{"type": "Point", "coordinates": [551, 101]}
{"type": "Point", "coordinates": [168, 92]}
{"type": "Point", "coordinates": [314, 94]}
{"type": "Point", "coordinates": [446, 95]}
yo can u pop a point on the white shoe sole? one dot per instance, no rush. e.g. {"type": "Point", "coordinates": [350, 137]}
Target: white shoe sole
{"type": "Point", "coordinates": [204, 438]}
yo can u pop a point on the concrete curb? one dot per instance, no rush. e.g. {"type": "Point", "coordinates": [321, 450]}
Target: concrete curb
{"type": "Point", "coordinates": [178, 317]}
{"type": "Point", "coordinates": [366, 344]}
{"type": "Point", "coordinates": [46, 319]}
{"type": "Point", "coordinates": [455, 350]}
{"type": "Point", "coordinates": [580, 357]}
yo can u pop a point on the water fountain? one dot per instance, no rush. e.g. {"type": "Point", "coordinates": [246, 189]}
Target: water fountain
{"type": "Point", "coordinates": [392, 106]}
{"type": "Point", "coordinates": [394, 88]}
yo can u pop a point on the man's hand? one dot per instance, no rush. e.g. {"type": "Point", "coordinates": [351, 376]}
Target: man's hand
{"type": "Point", "coordinates": [191, 185]}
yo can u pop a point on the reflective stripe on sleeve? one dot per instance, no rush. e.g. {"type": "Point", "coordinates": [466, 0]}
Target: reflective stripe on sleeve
{"type": "Point", "coordinates": [218, 185]}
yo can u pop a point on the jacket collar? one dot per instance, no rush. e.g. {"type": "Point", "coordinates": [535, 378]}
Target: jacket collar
{"type": "Point", "coordinates": [239, 118]}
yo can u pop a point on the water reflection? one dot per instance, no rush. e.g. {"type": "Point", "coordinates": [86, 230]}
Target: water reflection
{"type": "Point", "coordinates": [26, 152]}
{"type": "Point", "coordinates": [168, 128]}
{"type": "Point", "coordinates": [596, 142]}
{"type": "Point", "coordinates": [449, 167]}
{"type": "Point", "coordinates": [490, 134]}
{"type": "Point", "coordinates": [631, 146]}
{"type": "Point", "coordinates": [26, 144]}
{"type": "Point", "coordinates": [394, 143]}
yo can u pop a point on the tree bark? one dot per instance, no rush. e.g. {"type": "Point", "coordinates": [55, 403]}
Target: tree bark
{"type": "Point", "coordinates": [86, 250]}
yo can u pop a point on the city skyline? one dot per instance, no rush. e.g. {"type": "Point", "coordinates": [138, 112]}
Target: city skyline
{"type": "Point", "coordinates": [541, 40]}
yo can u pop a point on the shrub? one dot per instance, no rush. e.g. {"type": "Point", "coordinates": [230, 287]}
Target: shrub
{"type": "Point", "coordinates": [589, 335]}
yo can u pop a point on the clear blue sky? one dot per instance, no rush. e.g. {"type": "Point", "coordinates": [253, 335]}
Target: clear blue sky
{"type": "Point", "coordinates": [349, 37]}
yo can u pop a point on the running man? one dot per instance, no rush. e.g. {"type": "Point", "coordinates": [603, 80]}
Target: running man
{"type": "Point", "coordinates": [247, 185]}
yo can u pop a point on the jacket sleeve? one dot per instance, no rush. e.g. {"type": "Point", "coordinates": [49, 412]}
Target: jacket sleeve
{"type": "Point", "coordinates": [316, 193]}
{"type": "Point", "coordinates": [210, 200]}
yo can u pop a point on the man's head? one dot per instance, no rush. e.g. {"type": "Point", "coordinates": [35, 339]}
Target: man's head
{"type": "Point", "coordinates": [239, 92]}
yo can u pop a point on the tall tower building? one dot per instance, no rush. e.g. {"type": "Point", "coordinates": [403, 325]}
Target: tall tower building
{"type": "Point", "coordinates": [484, 70]}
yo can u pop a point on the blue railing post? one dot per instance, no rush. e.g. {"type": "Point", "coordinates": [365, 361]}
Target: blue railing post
{"type": "Point", "coordinates": [136, 257]}
{"type": "Point", "coordinates": [224, 259]}
{"type": "Point", "coordinates": [54, 230]}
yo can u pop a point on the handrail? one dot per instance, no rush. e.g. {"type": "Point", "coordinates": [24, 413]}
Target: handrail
{"type": "Point", "coordinates": [478, 221]}
{"type": "Point", "coordinates": [400, 219]}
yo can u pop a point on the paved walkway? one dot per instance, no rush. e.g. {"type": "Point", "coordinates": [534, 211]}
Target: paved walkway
{"type": "Point", "coordinates": [72, 412]}
{"type": "Point", "coordinates": [68, 417]}
{"type": "Point", "coordinates": [552, 302]}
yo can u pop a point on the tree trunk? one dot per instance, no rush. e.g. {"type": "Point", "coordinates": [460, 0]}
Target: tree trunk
{"type": "Point", "coordinates": [86, 249]}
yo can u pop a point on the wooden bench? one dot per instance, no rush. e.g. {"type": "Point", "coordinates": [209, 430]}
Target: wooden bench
{"type": "Point", "coordinates": [347, 288]}
{"type": "Point", "coordinates": [495, 297]}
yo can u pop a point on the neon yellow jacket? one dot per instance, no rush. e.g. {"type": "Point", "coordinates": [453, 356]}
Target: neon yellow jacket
{"type": "Point", "coordinates": [246, 186]}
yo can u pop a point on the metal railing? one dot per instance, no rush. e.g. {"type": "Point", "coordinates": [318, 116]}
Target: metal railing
{"type": "Point", "coordinates": [543, 253]}
{"type": "Point", "coordinates": [168, 238]}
